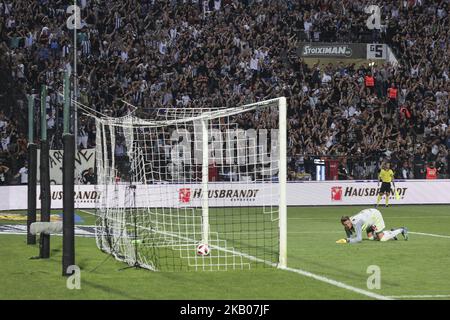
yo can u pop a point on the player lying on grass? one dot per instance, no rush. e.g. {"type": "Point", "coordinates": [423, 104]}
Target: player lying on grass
{"type": "Point", "coordinates": [371, 221]}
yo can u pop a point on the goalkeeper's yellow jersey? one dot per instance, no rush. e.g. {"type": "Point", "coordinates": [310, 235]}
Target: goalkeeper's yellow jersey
{"type": "Point", "coordinates": [386, 175]}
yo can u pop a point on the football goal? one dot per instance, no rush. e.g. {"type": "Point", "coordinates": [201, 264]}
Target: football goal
{"type": "Point", "coordinates": [194, 189]}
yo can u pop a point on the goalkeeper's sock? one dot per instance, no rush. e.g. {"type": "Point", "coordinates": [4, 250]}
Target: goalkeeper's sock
{"type": "Point", "coordinates": [388, 235]}
{"type": "Point", "coordinates": [378, 199]}
{"type": "Point", "coordinates": [387, 200]}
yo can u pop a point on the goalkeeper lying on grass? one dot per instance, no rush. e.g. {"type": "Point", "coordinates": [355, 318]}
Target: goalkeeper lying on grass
{"type": "Point", "coordinates": [371, 221]}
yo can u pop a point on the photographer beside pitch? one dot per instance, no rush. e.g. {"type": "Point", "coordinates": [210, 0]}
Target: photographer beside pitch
{"type": "Point", "coordinates": [371, 221]}
{"type": "Point", "coordinates": [386, 177]}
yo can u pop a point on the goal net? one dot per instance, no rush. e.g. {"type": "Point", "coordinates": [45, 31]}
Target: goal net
{"type": "Point", "coordinates": [194, 189]}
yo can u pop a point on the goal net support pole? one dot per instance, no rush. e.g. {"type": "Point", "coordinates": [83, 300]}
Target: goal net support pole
{"type": "Point", "coordinates": [32, 172]}
{"type": "Point", "coordinates": [68, 258]}
{"type": "Point", "coordinates": [44, 251]}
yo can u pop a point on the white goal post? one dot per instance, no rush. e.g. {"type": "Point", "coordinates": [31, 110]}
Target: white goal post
{"type": "Point", "coordinates": [215, 177]}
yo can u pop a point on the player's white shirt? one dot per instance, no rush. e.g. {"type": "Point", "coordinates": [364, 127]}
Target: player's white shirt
{"type": "Point", "coordinates": [368, 217]}
{"type": "Point", "coordinates": [363, 220]}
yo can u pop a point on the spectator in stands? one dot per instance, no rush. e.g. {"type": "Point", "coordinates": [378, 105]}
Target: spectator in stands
{"type": "Point", "coordinates": [5, 141]}
{"type": "Point", "coordinates": [23, 174]}
{"type": "Point", "coordinates": [3, 122]}
{"type": "Point", "coordinates": [392, 93]}
{"type": "Point", "coordinates": [82, 137]}
{"type": "Point", "coordinates": [369, 82]}
{"type": "Point", "coordinates": [88, 176]}
{"type": "Point", "coordinates": [406, 172]}
{"type": "Point", "coordinates": [343, 171]}
{"type": "Point", "coordinates": [3, 174]}
{"type": "Point", "coordinates": [431, 171]}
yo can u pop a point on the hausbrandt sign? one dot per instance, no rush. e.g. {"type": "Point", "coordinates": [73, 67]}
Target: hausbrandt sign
{"type": "Point", "coordinates": [243, 194]}
{"type": "Point", "coordinates": [338, 193]}
{"type": "Point", "coordinates": [366, 192]}
{"type": "Point", "coordinates": [311, 193]}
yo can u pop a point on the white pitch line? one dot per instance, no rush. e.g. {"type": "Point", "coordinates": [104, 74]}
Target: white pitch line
{"type": "Point", "coordinates": [421, 296]}
{"type": "Point", "coordinates": [88, 212]}
{"type": "Point", "coordinates": [338, 284]}
{"type": "Point", "coordinates": [387, 216]}
{"type": "Point", "coordinates": [14, 233]}
{"type": "Point", "coordinates": [430, 234]}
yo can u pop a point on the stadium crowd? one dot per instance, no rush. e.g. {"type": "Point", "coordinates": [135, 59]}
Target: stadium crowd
{"type": "Point", "coordinates": [194, 53]}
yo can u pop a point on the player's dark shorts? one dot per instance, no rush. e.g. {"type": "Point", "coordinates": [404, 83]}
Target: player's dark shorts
{"type": "Point", "coordinates": [385, 187]}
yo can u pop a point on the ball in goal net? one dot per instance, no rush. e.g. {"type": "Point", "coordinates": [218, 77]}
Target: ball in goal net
{"type": "Point", "coordinates": [214, 178]}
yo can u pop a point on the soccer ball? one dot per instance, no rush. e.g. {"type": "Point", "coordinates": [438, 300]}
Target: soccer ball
{"type": "Point", "coordinates": [202, 249]}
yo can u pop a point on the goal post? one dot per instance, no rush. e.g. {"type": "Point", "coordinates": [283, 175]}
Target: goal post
{"type": "Point", "coordinates": [205, 181]}
{"type": "Point", "coordinates": [215, 177]}
{"type": "Point", "coordinates": [282, 177]}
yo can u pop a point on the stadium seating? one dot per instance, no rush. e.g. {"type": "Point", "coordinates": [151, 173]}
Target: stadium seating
{"type": "Point", "coordinates": [164, 54]}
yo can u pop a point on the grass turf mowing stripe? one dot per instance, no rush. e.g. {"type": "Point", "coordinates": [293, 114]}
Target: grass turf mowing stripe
{"type": "Point", "coordinates": [300, 272]}
{"type": "Point", "coordinates": [303, 273]}
{"type": "Point", "coordinates": [314, 276]}
{"type": "Point", "coordinates": [311, 218]}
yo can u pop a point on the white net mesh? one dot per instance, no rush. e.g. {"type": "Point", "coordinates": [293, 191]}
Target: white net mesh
{"type": "Point", "coordinates": [166, 189]}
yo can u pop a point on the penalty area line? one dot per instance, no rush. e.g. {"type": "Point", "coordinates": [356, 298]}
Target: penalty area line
{"type": "Point", "coordinates": [314, 276]}
{"type": "Point", "coordinates": [424, 296]}
{"type": "Point", "coordinates": [337, 283]}
{"type": "Point", "coordinates": [86, 211]}
{"type": "Point", "coordinates": [430, 234]}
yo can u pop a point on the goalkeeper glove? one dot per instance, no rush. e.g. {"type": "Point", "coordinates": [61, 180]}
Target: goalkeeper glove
{"type": "Point", "coordinates": [341, 241]}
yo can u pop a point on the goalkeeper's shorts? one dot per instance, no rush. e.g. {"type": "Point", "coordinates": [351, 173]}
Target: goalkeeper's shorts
{"type": "Point", "coordinates": [378, 225]}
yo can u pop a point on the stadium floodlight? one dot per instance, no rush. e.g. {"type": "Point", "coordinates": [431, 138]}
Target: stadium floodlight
{"type": "Point", "coordinates": [209, 187]}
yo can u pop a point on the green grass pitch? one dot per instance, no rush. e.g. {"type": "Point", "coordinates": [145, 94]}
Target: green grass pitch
{"type": "Point", "coordinates": [414, 269]}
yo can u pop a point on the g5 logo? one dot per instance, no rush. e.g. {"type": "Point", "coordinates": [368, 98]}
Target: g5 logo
{"type": "Point", "coordinates": [74, 21]}
{"type": "Point", "coordinates": [377, 50]}
{"type": "Point", "coordinates": [374, 20]}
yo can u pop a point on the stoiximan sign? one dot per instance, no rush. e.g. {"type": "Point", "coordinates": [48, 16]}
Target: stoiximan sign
{"type": "Point", "coordinates": [332, 50]}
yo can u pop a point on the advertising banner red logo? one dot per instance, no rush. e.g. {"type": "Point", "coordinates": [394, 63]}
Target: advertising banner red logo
{"type": "Point", "coordinates": [336, 193]}
{"type": "Point", "coordinates": [184, 195]}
